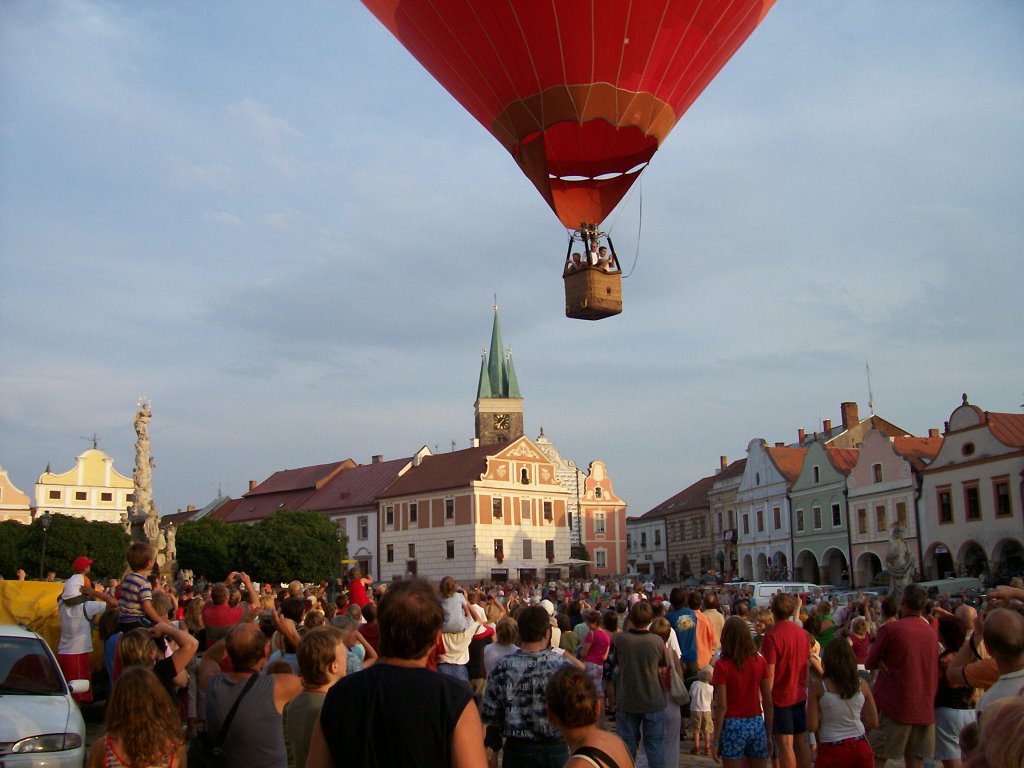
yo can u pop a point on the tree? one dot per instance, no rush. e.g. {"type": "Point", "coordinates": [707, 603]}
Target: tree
{"type": "Point", "coordinates": [208, 547]}
{"type": "Point", "coordinates": [71, 537]}
{"type": "Point", "coordinates": [12, 549]}
{"type": "Point", "coordinates": [290, 545]}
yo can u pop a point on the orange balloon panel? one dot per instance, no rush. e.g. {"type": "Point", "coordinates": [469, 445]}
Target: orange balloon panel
{"type": "Point", "coordinates": [580, 92]}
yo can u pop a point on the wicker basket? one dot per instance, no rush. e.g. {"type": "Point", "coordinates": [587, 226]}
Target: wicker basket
{"type": "Point", "coordinates": [592, 294]}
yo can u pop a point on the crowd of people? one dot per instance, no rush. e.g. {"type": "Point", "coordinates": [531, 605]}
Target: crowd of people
{"type": "Point", "coordinates": [582, 673]}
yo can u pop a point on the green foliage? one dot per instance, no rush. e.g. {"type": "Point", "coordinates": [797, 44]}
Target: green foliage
{"type": "Point", "coordinates": [71, 537]}
{"type": "Point", "coordinates": [289, 545]}
{"type": "Point", "coordinates": [208, 547]}
{"type": "Point", "coordinates": [12, 550]}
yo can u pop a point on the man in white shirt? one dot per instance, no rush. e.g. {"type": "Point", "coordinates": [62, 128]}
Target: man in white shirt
{"type": "Point", "coordinates": [75, 647]}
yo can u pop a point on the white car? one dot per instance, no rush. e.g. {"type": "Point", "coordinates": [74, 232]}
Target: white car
{"type": "Point", "coordinates": [40, 724]}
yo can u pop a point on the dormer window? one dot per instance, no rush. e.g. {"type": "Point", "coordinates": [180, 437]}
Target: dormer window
{"type": "Point", "coordinates": [817, 474]}
{"type": "Point", "coordinates": [876, 473]}
{"type": "Point", "coordinates": [597, 493]}
{"type": "Point", "coordinates": [967, 449]}
{"type": "Point", "coordinates": [524, 476]}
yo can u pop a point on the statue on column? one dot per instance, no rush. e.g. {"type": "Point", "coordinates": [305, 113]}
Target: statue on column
{"type": "Point", "coordinates": [899, 562]}
{"type": "Point", "coordinates": [145, 518]}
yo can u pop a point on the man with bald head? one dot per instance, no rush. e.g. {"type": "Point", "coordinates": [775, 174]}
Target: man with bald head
{"type": "Point", "coordinates": [254, 737]}
{"type": "Point", "coordinates": [1004, 638]}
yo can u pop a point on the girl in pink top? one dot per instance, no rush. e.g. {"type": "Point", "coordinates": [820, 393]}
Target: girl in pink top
{"type": "Point", "coordinates": [595, 649]}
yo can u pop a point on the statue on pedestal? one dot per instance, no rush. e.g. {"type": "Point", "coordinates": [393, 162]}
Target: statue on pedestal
{"type": "Point", "coordinates": [899, 562]}
{"type": "Point", "coordinates": [144, 518]}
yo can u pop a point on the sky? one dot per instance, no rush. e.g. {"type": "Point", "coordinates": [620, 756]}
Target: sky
{"type": "Point", "coordinates": [270, 220]}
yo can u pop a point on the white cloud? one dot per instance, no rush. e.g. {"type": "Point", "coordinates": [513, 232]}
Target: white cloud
{"type": "Point", "coordinates": [256, 118]}
{"type": "Point", "coordinates": [223, 218]}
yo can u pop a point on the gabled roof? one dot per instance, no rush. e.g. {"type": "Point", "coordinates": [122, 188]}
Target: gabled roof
{"type": "Point", "coordinates": [789, 461]}
{"type": "Point", "coordinates": [735, 469]}
{"type": "Point", "coordinates": [1007, 428]}
{"type": "Point", "coordinates": [843, 459]}
{"type": "Point", "coordinates": [259, 506]}
{"type": "Point", "coordinates": [690, 498]}
{"type": "Point", "coordinates": [357, 486]}
{"type": "Point", "coordinates": [223, 512]}
{"type": "Point", "coordinates": [919, 451]}
{"type": "Point", "coordinates": [440, 471]}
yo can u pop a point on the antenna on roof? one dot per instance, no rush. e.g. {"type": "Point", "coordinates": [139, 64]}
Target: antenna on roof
{"type": "Point", "coordinates": [453, 445]}
{"type": "Point", "coordinates": [95, 439]}
{"type": "Point", "coordinates": [871, 397]}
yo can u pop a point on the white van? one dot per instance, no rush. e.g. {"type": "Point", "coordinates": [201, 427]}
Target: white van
{"type": "Point", "coordinates": [764, 591]}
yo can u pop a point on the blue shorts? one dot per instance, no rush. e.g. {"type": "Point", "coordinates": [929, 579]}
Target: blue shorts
{"type": "Point", "coordinates": [790, 720]}
{"type": "Point", "coordinates": [743, 737]}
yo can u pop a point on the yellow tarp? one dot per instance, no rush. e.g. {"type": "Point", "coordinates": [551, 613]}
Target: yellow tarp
{"type": "Point", "coordinates": [34, 603]}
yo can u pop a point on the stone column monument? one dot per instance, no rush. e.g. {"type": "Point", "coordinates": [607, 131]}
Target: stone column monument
{"type": "Point", "coordinates": [899, 562]}
{"type": "Point", "coordinates": [144, 518]}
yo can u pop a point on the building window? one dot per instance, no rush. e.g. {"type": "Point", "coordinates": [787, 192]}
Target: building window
{"type": "Point", "coordinates": [549, 511]}
{"type": "Point", "coordinates": [414, 512]}
{"type": "Point", "coordinates": [816, 474]}
{"type": "Point", "coordinates": [901, 512]}
{"type": "Point", "coordinates": [524, 509]}
{"type": "Point", "coordinates": [499, 548]}
{"type": "Point", "coordinates": [391, 553]}
{"type": "Point", "coordinates": [389, 516]}
{"type": "Point", "coordinates": [816, 512]}
{"type": "Point", "coordinates": [81, 495]}
{"type": "Point", "coordinates": [862, 520]}
{"type": "Point", "coordinates": [1001, 487]}
{"type": "Point", "coordinates": [55, 495]}
{"type": "Point", "coordinates": [364, 527]}
{"type": "Point", "coordinates": [718, 522]}
{"type": "Point", "coordinates": [837, 516]}
{"type": "Point", "coordinates": [643, 540]}
{"type": "Point", "coordinates": [881, 521]}
{"type": "Point", "coordinates": [599, 523]}
{"type": "Point", "coordinates": [524, 476]}
{"type": "Point", "coordinates": [106, 496]}
{"type": "Point", "coordinates": [657, 538]}
{"type": "Point", "coordinates": [597, 493]}
{"type": "Point", "coordinates": [799, 519]}
{"type": "Point", "coordinates": [496, 510]}
{"type": "Point", "coordinates": [449, 509]}
{"type": "Point", "coordinates": [746, 524]}
{"type": "Point", "coordinates": [972, 502]}
{"type": "Point", "coordinates": [549, 549]}
{"type": "Point", "coordinates": [967, 449]}
{"type": "Point", "coordinates": [449, 549]}
{"type": "Point", "coordinates": [732, 518]}
{"type": "Point", "coordinates": [130, 498]}
{"type": "Point", "coordinates": [629, 541]}
{"type": "Point", "coordinates": [876, 473]}
{"type": "Point", "coordinates": [945, 505]}
{"type": "Point", "coordinates": [527, 549]}
{"type": "Point", "coordinates": [601, 558]}
{"type": "Point", "coordinates": [412, 551]}
{"type": "Point", "coordinates": [777, 518]}
{"type": "Point", "coordinates": [760, 520]}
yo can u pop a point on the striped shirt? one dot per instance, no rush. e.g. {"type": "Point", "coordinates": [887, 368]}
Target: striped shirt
{"type": "Point", "coordinates": [134, 589]}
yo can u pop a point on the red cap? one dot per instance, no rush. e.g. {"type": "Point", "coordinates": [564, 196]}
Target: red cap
{"type": "Point", "coordinates": [81, 564]}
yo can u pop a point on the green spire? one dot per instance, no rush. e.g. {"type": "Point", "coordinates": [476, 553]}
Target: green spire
{"type": "Point", "coordinates": [513, 382]}
{"type": "Point", "coordinates": [496, 360]}
{"type": "Point", "coordinates": [483, 389]}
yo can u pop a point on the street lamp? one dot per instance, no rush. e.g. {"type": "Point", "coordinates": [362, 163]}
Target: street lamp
{"type": "Point", "coordinates": [44, 521]}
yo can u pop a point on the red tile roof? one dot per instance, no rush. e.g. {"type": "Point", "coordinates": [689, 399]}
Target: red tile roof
{"type": "Point", "coordinates": [1008, 428]}
{"type": "Point", "coordinates": [692, 497]}
{"type": "Point", "coordinates": [357, 486]}
{"type": "Point", "coordinates": [789, 461]}
{"type": "Point", "coordinates": [735, 469]}
{"type": "Point", "coordinates": [456, 469]}
{"type": "Point", "coordinates": [919, 451]}
{"type": "Point", "coordinates": [223, 512]}
{"type": "Point", "coordinates": [308, 478]}
{"type": "Point", "coordinates": [258, 506]}
{"type": "Point", "coordinates": [843, 459]}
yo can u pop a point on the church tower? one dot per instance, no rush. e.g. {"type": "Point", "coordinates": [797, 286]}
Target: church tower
{"type": "Point", "coordinates": [499, 406]}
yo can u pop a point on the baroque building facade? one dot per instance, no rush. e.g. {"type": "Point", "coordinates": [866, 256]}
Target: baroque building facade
{"type": "Point", "coordinates": [92, 489]}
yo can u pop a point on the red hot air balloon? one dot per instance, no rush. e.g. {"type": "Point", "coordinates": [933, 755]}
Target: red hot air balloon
{"type": "Point", "coordinates": [580, 92]}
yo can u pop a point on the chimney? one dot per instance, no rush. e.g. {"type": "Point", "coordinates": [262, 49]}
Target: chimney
{"type": "Point", "coordinates": [190, 508]}
{"type": "Point", "coordinates": [850, 416]}
{"type": "Point", "coordinates": [723, 462]}
{"type": "Point", "coordinates": [376, 458]}
{"type": "Point", "coordinates": [933, 432]}
{"type": "Point", "coordinates": [252, 485]}
{"type": "Point", "coordinates": [800, 435]}
{"type": "Point", "coordinates": [826, 427]}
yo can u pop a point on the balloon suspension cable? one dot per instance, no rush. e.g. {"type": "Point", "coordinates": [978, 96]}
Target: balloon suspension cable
{"type": "Point", "coordinates": [639, 229]}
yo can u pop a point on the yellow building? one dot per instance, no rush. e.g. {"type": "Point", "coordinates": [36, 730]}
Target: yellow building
{"type": "Point", "coordinates": [13, 503]}
{"type": "Point", "coordinates": [93, 489]}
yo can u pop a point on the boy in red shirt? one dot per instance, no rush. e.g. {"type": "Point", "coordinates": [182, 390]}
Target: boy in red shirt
{"type": "Point", "coordinates": [787, 650]}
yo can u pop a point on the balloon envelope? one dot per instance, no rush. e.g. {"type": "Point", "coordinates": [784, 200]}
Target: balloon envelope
{"type": "Point", "coordinates": [580, 92]}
